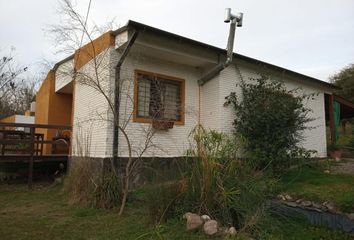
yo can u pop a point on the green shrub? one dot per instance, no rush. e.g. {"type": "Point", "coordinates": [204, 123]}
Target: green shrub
{"type": "Point", "coordinates": [215, 183]}
{"type": "Point", "coordinates": [220, 185]}
{"type": "Point", "coordinates": [212, 174]}
{"type": "Point", "coordinates": [269, 122]}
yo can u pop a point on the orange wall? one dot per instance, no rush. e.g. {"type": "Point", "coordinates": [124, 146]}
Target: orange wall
{"type": "Point", "coordinates": [92, 49]}
{"type": "Point", "coordinates": [10, 119]}
{"type": "Point", "coordinates": [52, 108]}
{"type": "Point", "coordinates": [57, 108]}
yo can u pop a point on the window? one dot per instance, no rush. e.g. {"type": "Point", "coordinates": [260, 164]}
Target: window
{"type": "Point", "coordinates": [158, 97]}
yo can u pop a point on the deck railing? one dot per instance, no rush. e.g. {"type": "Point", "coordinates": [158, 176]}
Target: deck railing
{"type": "Point", "coordinates": [25, 142]}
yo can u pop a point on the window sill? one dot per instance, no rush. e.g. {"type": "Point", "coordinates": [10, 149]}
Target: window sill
{"type": "Point", "coordinates": [149, 120]}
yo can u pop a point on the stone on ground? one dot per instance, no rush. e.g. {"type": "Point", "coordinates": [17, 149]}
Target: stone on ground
{"type": "Point", "coordinates": [194, 221]}
{"type": "Point", "coordinates": [210, 227]}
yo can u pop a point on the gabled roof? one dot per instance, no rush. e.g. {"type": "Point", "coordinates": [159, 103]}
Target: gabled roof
{"type": "Point", "coordinates": [142, 27]}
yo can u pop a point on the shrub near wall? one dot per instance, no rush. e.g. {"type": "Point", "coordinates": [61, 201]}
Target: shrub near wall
{"type": "Point", "coordinates": [269, 122]}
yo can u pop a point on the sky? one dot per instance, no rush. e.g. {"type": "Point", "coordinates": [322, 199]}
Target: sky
{"type": "Point", "coordinates": [313, 37]}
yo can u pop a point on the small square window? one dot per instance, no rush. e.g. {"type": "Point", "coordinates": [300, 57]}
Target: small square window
{"type": "Point", "coordinates": [158, 97]}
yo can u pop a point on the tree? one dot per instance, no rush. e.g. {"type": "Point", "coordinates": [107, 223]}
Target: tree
{"type": "Point", "coordinates": [269, 122]}
{"type": "Point", "coordinates": [71, 33]}
{"type": "Point", "coordinates": [16, 93]}
{"type": "Point", "coordinates": [345, 80]}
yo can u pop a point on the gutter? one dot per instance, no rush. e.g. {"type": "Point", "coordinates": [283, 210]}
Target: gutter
{"type": "Point", "coordinates": [117, 96]}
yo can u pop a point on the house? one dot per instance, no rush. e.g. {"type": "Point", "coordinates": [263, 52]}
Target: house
{"type": "Point", "coordinates": [142, 59]}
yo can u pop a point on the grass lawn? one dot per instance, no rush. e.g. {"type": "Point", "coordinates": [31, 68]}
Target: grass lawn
{"type": "Point", "coordinates": [44, 214]}
{"type": "Point", "coordinates": [312, 183]}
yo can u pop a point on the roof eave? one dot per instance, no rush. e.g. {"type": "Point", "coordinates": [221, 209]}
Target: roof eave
{"type": "Point", "coordinates": [142, 27]}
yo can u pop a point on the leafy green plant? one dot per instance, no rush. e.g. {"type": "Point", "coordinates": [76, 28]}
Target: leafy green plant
{"type": "Point", "coordinates": [269, 122]}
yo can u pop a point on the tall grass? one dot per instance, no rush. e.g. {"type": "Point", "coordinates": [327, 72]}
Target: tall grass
{"type": "Point", "coordinates": [87, 188]}
{"type": "Point", "coordinates": [88, 183]}
{"type": "Point", "coordinates": [217, 183]}
{"type": "Point", "coordinates": [211, 173]}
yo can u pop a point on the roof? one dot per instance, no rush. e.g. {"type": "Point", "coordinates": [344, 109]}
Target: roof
{"type": "Point", "coordinates": [143, 27]}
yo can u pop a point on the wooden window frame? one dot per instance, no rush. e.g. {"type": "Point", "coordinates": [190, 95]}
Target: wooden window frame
{"type": "Point", "coordinates": [138, 119]}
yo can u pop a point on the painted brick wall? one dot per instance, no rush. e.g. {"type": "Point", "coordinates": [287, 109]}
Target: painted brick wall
{"type": "Point", "coordinates": [92, 111]}
{"type": "Point", "coordinates": [315, 139]}
{"type": "Point", "coordinates": [91, 118]}
{"type": "Point", "coordinates": [210, 104]}
{"type": "Point", "coordinates": [173, 142]}
{"type": "Point", "coordinates": [63, 75]}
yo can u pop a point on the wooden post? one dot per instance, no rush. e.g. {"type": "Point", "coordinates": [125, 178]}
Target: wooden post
{"type": "Point", "coordinates": [30, 164]}
{"type": "Point", "coordinates": [331, 119]}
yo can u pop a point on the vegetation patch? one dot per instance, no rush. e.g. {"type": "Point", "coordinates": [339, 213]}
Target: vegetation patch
{"type": "Point", "coordinates": [48, 216]}
{"type": "Point", "coordinates": [313, 183]}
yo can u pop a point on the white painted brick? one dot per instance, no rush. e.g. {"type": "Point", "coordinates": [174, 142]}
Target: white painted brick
{"type": "Point", "coordinates": [89, 106]}
{"type": "Point", "coordinates": [64, 74]}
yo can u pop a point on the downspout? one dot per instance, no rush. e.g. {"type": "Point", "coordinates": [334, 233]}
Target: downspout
{"type": "Point", "coordinates": [236, 21]}
{"type": "Point", "coordinates": [117, 96]}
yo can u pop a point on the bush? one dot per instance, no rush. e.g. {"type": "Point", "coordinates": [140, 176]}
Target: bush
{"type": "Point", "coordinates": [211, 174]}
{"type": "Point", "coordinates": [269, 122]}
{"type": "Point", "coordinates": [216, 183]}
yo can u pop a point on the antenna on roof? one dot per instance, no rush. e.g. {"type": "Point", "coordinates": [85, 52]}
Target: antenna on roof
{"type": "Point", "coordinates": [236, 21]}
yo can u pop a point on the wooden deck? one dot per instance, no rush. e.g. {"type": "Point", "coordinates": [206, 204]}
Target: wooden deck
{"type": "Point", "coordinates": [22, 143]}
{"type": "Point", "coordinates": [26, 158]}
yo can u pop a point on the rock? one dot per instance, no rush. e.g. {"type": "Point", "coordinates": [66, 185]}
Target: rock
{"type": "Point", "coordinates": [327, 171]}
{"type": "Point", "coordinates": [291, 204]}
{"type": "Point", "coordinates": [330, 206]}
{"type": "Point", "coordinates": [316, 205]}
{"type": "Point", "coordinates": [194, 221]}
{"type": "Point", "coordinates": [306, 204]}
{"type": "Point", "coordinates": [205, 218]}
{"type": "Point", "coordinates": [351, 216]}
{"type": "Point", "coordinates": [288, 197]}
{"type": "Point", "coordinates": [232, 231]}
{"type": "Point", "coordinates": [281, 197]}
{"type": "Point", "coordinates": [210, 227]}
{"type": "Point", "coordinates": [299, 200]}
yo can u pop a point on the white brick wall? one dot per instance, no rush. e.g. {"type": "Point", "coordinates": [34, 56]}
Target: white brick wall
{"type": "Point", "coordinates": [91, 124]}
{"type": "Point", "coordinates": [210, 104]}
{"type": "Point", "coordinates": [92, 114]}
{"type": "Point", "coordinates": [315, 139]}
{"type": "Point", "coordinates": [63, 74]}
{"type": "Point", "coordinates": [173, 142]}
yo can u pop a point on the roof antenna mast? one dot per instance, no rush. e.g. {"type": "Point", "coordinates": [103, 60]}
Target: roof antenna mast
{"type": "Point", "coordinates": [235, 21]}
